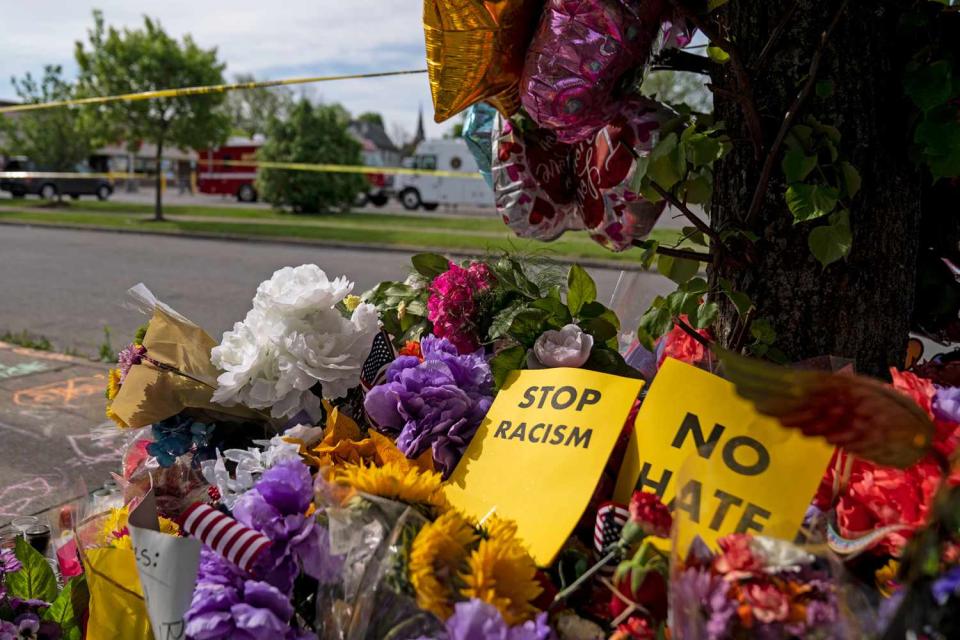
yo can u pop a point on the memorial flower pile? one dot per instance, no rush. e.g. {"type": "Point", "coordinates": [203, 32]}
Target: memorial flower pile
{"type": "Point", "coordinates": [323, 441]}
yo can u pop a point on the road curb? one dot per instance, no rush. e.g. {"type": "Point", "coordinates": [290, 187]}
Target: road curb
{"type": "Point", "coordinates": [332, 244]}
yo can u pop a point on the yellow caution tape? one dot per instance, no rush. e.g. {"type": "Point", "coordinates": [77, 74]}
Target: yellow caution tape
{"type": "Point", "coordinates": [64, 175]}
{"type": "Point", "coordinates": [199, 91]}
{"type": "Point", "coordinates": [339, 168]}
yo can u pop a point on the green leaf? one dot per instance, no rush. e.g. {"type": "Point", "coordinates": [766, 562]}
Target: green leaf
{"type": "Point", "coordinates": [559, 315]}
{"type": "Point", "coordinates": [797, 165]}
{"type": "Point", "coordinates": [511, 276]}
{"type": "Point", "coordinates": [824, 88]}
{"type": "Point", "coordinates": [609, 361]}
{"type": "Point", "coordinates": [36, 579]}
{"type": "Point", "coordinates": [851, 178]}
{"type": "Point", "coordinates": [508, 360]}
{"type": "Point", "coordinates": [809, 201]}
{"type": "Point", "coordinates": [715, 4]}
{"type": "Point", "coordinates": [601, 330]}
{"type": "Point", "coordinates": [800, 137]}
{"type": "Point", "coordinates": [697, 189]}
{"type": "Point", "coordinates": [527, 326]}
{"type": "Point", "coordinates": [430, 265]}
{"type": "Point", "coordinates": [762, 331]}
{"type": "Point", "coordinates": [717, 54]}
{"type": "Point", "coordinates": [739, 299]}
{"type": "Point", "coordinates": [828, 130]}
{"type": "Point", "coordinates": [581, 289]}
{"type": "Point", "coordinates": [831, 242]}
{"type": "Point", "coordinates": [500, 325]}
{"type": "Point", "coordinates": [706, 314]}
{"type": "Point", "coordinates": [593, 310]}
{"type": "Point", "coordinates": [667, 162]}
{"type": "Point", "coordinates": [62, 611]}
{"type": "Point", "coordinates": [929, 86]}
{"type": "Point", "coordinates": [655, 322]}
{"type": "Point", "coordinates": [703, 149]}
{"type": "Point", "coordinates": [677, 269]}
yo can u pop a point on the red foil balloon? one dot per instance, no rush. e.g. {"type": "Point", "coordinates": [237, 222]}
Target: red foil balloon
{"type": "Point", "coordinates": [578, 58]}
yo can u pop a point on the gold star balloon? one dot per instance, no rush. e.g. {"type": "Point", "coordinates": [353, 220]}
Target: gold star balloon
{"type": "Point", "coordinates": [475, 51]}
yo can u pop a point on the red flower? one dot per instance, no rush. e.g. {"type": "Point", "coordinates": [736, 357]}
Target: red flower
{"type": "Point", "coordinates": [736, 558]}
{"type": "Point", "coordinates": [635, 628]}
{"type": "Point", "coordinates": [650, 514]}
{"type": "Point", "coordinates": [678, 344]}
{"type": "Point", "coordinates": [651, 594]}
{"type": "Point", "coordinates": [411, 348]}
{"type": "Point", "coordinates": [920, 389]}
{"type": "Point", "coordinates": [767, 603]}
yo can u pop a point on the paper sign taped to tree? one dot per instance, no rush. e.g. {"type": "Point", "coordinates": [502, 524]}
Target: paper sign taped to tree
{"type": "Point", "coordinates": [720, 465]}
{"type": "Point", "coordinates": [539, 453]}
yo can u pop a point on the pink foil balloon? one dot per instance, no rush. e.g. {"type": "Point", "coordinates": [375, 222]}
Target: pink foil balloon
{"type": "Point", "coordinates": [578, 57]}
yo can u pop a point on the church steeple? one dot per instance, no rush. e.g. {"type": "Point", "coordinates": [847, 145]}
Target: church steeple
{"type": "Point", "coordinates": [421, 133]}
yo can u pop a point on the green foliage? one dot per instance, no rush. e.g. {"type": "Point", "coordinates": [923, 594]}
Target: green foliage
{"type": "Point", "coordinates": [430, 265]}
{"type": "Point", "coordinates": [311, 134]}
{"type": "Point", "coordinates": [67, 609]}
{"type": "Point", "coordinates": [678, 87]}
{"type": "Point", "coordinates": [690, 300]}
{"type": "Point", "coordinates": [820, 184]}
{"type": "Point", "coordinates": [147, 59]}
{"type": "Point", "coordinates": [250, 110]}
{"type": "Point", "coordinates": [682, 160]}
{"type": "Point", "coordinates": [372, 118]}
{"type": "Point", "coordinates": [830, 242]}
{"type": "Point", "coordinates": [581, 289]}
{"type": "Point", "coordinates": [679, 270]}
{"type": "Point", "coordinates": [717, 54]}
{"type": "Point", "coordinates": [106, 352]}
{"type": "Point", "coordinates": [27, 340]}
{"type": "Point", "coordinates": [36, 579]}
{"type": "Point", "coordinates": [509, 359]}
{"type": "Point", "coordinates": [54, 139]}
{"type": "Point", "coordinates": [764, 336]}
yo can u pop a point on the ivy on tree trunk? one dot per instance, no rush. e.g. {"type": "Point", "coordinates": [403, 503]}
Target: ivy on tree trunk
{"type": "Point", "coordinates": [857, 308]}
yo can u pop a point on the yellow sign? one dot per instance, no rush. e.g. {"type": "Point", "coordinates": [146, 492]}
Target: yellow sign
{"type": "Point", "coordinates": [721, 466]}
{"type": "Point", "coordinates": [540, 452]}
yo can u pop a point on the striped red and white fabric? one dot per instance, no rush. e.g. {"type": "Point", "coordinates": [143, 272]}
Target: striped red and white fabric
{"type": "Point", "coordinates": [610, 520]}
{"type": "Point", "coordinates": [239, 544]}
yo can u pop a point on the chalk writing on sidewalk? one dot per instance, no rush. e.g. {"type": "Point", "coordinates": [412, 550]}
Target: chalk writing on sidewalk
{"type": "Point", "coordinates": [21, 369]}
{"type": "Point", "coordinates": [62, 393]}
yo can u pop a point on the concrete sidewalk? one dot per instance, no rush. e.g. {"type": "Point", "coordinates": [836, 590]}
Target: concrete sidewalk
{"type": "Point", "coordinates": [56, 442]}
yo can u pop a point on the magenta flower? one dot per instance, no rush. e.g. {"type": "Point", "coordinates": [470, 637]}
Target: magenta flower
{"type": "Point", "coordinates": [131, 355]}
{"type": "Point", "coordinates": [451, 306]}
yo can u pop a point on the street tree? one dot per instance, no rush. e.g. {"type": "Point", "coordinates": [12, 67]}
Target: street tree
{"type": "Point", "coordinates": [250, 110]}
{"type": "Point", "coordinates": [829, 170]}
{"type": "Point", "coordinates": [373, 118]}
{"type": "Point", "coordinates": [148, 59]}
{"type": "Point", "coordinates": [310, 134]}
{"type": "Point", "coordinates": [55, 139]}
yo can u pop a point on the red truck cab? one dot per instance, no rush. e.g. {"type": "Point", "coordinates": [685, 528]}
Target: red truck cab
{"type": "Point", "coordinates": [221, 170]}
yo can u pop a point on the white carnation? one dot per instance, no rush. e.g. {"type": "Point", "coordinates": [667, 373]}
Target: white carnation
{"type": "Point", "coordinates": [292, 339]}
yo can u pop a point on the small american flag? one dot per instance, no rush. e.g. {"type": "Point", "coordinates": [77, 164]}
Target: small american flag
{"type": "Point", "coordinates": [375, 367]}
{"type": "Point", "coordinates": [227, 537]}
{"type": "Point", "coordinates": [610, 520]}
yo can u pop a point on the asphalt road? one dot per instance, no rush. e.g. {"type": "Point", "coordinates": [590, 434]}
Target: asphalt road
{"type": "Point", "coordinates": [68, 285]}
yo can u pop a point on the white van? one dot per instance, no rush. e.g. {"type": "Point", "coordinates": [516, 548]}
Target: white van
{"type": "Point", "coordinates": [429, 192]}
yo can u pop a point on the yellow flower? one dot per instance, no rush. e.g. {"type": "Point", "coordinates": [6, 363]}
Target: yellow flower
{"type": "Point", "coordinates": [436, 556]}
{"type": "Point", "coordinates": [502, 573]}
{"type": "Point", "coordinates": [351, 302]}
{"type": "Point", "coordinates": [113, 383]}
{"type": "Point", "coordinates": [886, 577]}
{"type": "Point", "coordinates": [396, 481]}
{"type": "Point", "coordinates": [117, 419]}
{"type": "Point", "coordinates": [114, 532]}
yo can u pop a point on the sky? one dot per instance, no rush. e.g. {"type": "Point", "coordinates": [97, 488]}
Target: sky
{"type": "Point", "coordinates": [272, 40]}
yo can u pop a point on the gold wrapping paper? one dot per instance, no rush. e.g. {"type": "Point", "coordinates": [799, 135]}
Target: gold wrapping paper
{"type": "Point", "coordinates": [475, 51]}
{"type": "Point", "coordinates": [184, 379]}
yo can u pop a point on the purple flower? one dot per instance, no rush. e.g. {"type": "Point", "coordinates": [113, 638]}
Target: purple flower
{"type": "Point", "coordinates": [276, 507]}
{"type": "Point", "coordinates": [946, 586]}
{"type": "Point", "coordinates": [131, 355]}
{"type": "Point", "coordinates": [478, 620]}
{"type": "Point", "coordinates": [9, 562]}
{"type": "Point", "coordinates": [946, 403]}
{"type": "Point", "coordinates": [701, 606]}
{"type": "Point", "coordinates": [435, 404]}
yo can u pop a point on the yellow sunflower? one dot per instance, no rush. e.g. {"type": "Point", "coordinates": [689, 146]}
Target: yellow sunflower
{"type": "Point", "coordinates": [436, 556]}
{"type": "Point", "coordinates": [396, 481]}
{"type": "Point", "coordinates": [501, 572]}
{"type": "Point", "coordinates": [117, 419]}
{"type": "Point", "coordinates": [113, 383]}
{"type": "Point", "coordinates": [886, 578]}
{"type": "Point", "coordinates": [114, 531]}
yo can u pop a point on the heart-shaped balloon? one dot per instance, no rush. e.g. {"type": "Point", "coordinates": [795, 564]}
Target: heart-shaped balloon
{"type": "Point", "coordinates": [578, 58]}
{"type": "Point", "coordinates": [545, 187]}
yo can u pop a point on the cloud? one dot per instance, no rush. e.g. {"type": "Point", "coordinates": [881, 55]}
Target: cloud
{"type": "Point", "coordinates": [275, 39]}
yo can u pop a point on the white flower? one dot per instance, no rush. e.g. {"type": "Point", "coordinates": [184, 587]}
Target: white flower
{"type": "Point", "coordinates": [250, 465]}
{"type": "Point", "coordinates": [779, 555]}
{"type": "Point", "coordinates": [568, 347]}
{"type": "Point", "coordinates": [293, 339]}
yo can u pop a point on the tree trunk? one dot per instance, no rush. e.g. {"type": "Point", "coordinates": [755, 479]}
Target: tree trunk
{"type": "Point", "coordinates": [859, 308]}
{"type": "Point", "coordinates": [158, 200]}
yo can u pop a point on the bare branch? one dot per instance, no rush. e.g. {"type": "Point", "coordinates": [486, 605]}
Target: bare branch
{"type": "Point", "coordinates": [685, 254]}
{"type": "Point", "coordinates": [690, 331]}
{"type": "Point", "coordinates": [775, 36]}
{"type": "Point", "coordinates": [694, 219]}
{"type": "Point", "coordinates": [790, 116]}
{"type": "Point", "coordinates": [679, 60]}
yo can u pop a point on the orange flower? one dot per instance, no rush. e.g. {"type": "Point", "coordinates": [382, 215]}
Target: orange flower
{"type": "Point", "coordinates": [411, 348]}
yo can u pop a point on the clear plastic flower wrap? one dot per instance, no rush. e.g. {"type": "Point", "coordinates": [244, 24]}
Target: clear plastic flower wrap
{"type": "Point", "coordinates": [371, 597]}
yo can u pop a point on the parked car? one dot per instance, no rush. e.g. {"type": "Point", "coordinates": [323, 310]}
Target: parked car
{"type": "Point", "coordinates": [49, 187]}
{"type": "Point", "coordinates": [427, 191]}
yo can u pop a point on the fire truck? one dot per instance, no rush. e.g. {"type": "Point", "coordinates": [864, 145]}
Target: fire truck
{"type": "Point", "coordinates": [221, 171]}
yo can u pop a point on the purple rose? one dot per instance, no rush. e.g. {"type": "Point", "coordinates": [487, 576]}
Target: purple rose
{"type": "Point", "coordinates": [478, 620]}
{"type": "Point", "coordinates": [946, 403]}
{"type": "Point", "coordinates": [435, 404]}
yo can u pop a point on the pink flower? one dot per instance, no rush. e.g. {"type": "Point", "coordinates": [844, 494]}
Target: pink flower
{"type": "Point", "coordinates": [678, 344]}
{"type": "Point", "coordinates": [736, 559]}
{"type": "Point", "coordinates": [452, 306]}
{"type": "Point", "coordinates": [767, 603]}
{"type": "Point", "coordinates": [920, 389]}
